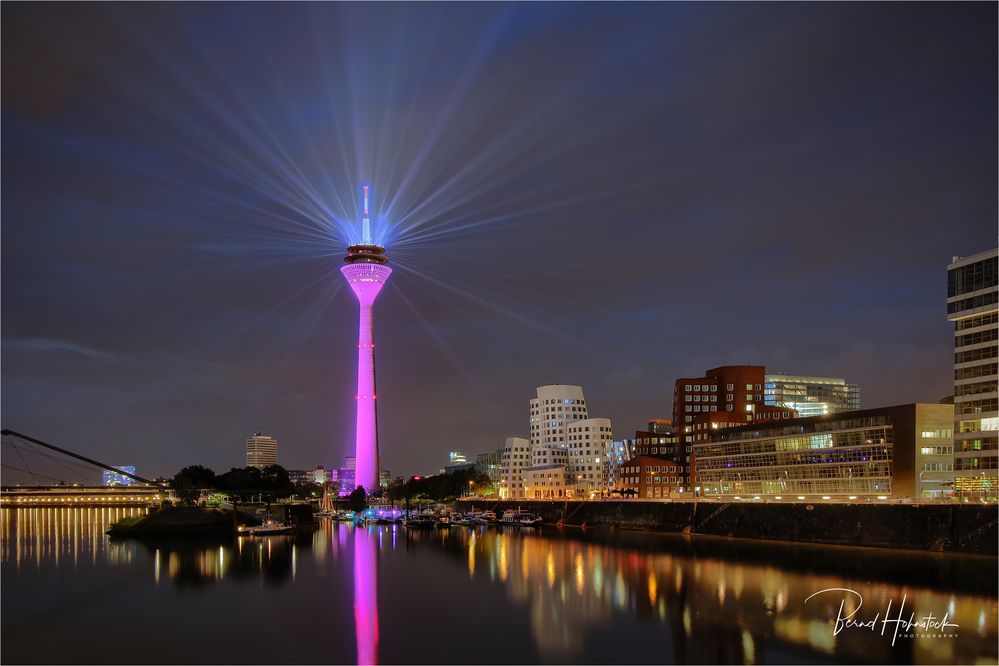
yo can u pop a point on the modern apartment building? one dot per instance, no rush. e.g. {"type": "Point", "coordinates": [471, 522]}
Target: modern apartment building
{"type": "Point", "coordinates": [890, 452]}
{"type": "Point", "coordinates": [972, 296]}
{"type": "Point", "coordinates": [811, 396]}
{"type": "Point", "coordinates": [261, 450]}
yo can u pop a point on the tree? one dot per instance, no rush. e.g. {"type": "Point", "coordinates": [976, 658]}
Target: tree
{"type": "Point", "coordinates": [357, 499]}
{"type": "Point", "coordinates": [275, 479]}
{"type": "Point", "coordinates": [190, 481]}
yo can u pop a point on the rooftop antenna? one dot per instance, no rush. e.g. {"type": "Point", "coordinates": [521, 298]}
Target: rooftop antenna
{"type": "Point", "coordinates": [365, 222]}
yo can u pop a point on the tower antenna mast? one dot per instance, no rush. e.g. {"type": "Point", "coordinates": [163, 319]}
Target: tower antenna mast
{"type": "Point", "coordinates": [366, 222]}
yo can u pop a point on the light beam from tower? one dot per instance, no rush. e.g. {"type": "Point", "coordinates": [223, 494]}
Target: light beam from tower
{"type": "Point", "coordinates": [366, 272]}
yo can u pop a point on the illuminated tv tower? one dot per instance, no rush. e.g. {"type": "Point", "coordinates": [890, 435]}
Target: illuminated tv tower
{"type": "Point", "coordinates": [366, 273]}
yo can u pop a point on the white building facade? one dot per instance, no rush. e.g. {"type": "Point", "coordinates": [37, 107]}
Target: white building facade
{"type": "Point", "coordinates": [515, 458]}
{"type": "Point", "coordinates": [565, 454]}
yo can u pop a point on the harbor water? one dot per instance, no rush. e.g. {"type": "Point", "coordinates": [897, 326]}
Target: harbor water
{"type": "Point", "coordinates": [391, 594]}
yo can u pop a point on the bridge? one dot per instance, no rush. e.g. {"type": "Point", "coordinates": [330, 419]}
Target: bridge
{"type": "Point", "coordinates": [63, 496]}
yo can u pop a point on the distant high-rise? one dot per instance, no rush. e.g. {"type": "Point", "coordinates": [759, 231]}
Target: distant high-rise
{"type": "Point", "coordinates": [973, 306]}
{"type": "Point", "coordinates": [366, 273]}
{"type": "Point", "coordinates": [811, 396]}
{"type": "Point", "coordinates": [261, 450]}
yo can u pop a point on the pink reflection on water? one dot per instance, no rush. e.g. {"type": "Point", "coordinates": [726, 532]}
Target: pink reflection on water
{"type": "Point", "coordinates": [366, 596]}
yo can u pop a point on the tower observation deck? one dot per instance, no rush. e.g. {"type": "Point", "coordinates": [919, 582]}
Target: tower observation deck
{"type": "Point", "coordinates": [366, 272]}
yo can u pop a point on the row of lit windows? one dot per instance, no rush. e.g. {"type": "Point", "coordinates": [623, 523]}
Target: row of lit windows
{"type": "Point", "coordinates": [980, 425]}
{"type": "Point", "coordinates": [713, 387]}
{"type": "Point", "coordinates": [936, 450]}
{"type": "Point", "coordinates": [975, 354]}
{"type": "Point", "coordinates": [871, 486]}
{"type": "Point", "coordinates": [938, 467]}
{"type": "Point", "coordinates": [637, 469]}
{"type": "Point", "coordinates": [635, 480]}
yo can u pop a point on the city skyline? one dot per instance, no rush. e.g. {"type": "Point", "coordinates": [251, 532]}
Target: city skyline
{"type": "Point", "coordinates": [793, 212]}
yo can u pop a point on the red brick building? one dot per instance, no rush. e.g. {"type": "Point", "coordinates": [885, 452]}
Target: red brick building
{"type": "Point", "coordinates": [726, 396]}
{"type": "Point", "coordinates": [652, 476]}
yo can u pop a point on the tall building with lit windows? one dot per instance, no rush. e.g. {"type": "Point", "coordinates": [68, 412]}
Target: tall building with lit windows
{"type": "Point", "coordinates": [973, 306]}
{"type": "Point", "coordinates": [261, 450]}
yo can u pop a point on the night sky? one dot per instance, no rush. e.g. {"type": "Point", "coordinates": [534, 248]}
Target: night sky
{"type": "Point", "coordinates": [611, 195]}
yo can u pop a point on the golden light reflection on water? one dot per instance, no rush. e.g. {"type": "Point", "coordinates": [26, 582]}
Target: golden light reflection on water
{"type": "Point", "coordinates": [57, 536]}
{"type": "Point", "coordinates": [728, 610]}
{"type": "Point", "coordinates": [699, 607]}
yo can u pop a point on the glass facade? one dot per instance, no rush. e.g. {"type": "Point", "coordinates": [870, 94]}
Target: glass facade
{"type": "Point", "coordinates": [811, 396]}
{"type": "Point", "coordinates": [972, 289]}
{"type": "Point", "coordinates": [849, 457]}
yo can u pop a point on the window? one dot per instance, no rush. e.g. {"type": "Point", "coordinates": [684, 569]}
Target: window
{"type": "Point", "coordinates": [729, 387]}
{"type": "Point", "coordinates": [749, 387]}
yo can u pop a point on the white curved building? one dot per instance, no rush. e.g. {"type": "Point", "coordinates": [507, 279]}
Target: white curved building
{"type": "Point", "coordinates": [556, 406]}
{"type": "Point", "coordinates": [516, 457]}
{"type": "Point", "coordinates": [565, 442]}
{"type": "Point", "coordinates": [587, 441]}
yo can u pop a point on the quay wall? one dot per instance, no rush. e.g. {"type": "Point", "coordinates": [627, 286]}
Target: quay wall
{"type": "Point", "coordinates": [936, 527]}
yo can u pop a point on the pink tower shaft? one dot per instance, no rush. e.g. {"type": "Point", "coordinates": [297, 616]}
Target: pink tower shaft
{"type": "Point", "coordinates": [366, 280]}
